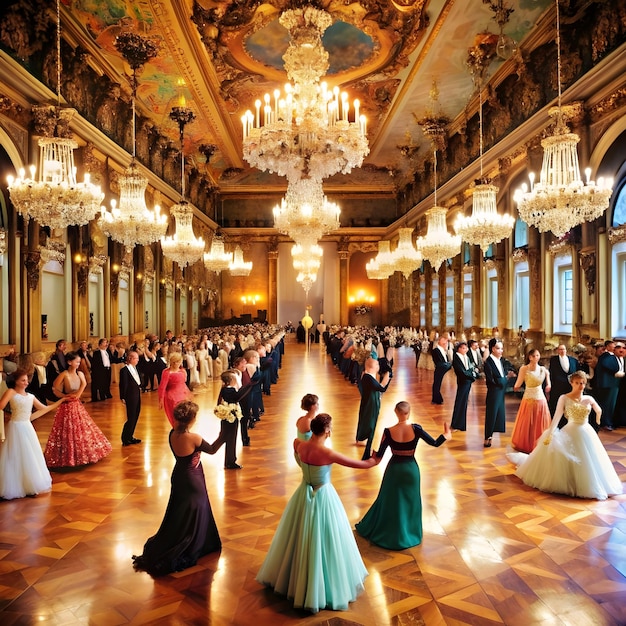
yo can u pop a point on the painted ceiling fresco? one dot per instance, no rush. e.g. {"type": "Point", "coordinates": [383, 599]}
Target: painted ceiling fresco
{"type": "Point", "coordinates": [229, 52]}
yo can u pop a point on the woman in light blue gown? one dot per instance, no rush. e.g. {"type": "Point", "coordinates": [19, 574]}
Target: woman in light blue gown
{"type": "Point", "coordinates": [310, 404]}
{"type": "Point", "coordinates": [313, 558]}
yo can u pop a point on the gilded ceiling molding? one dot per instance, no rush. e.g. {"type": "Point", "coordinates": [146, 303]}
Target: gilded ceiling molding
{"type": "Point", "coordinates": [617, 234]}
{"type": "Point", "coordinates": [520, 255]}
{"type": "Point", "coordinates": [96, 264]}
{"type": "Point", "coordinates": [560, 247]}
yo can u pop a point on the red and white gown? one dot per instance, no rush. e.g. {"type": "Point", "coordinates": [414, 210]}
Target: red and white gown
{"type": "Point", "coordinates": [74, 438]}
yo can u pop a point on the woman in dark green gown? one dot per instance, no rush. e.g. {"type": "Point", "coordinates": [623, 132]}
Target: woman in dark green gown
{"type": "Point", "coordinates": [394, 521]}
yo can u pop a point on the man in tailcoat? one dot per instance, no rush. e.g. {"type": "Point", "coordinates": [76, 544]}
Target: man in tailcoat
{"type": "Point", "coordinates": [496, 378]}
{"type": "Point", "coordinates": [442, 366]}
{"type": "Point", "coordinates": [465, 376]}
{"type": "Point", "coordinates": [561, 366]}
{"type": "Point", "coordinates": [130, 395]}
{"type": "Point", "coordinates": [607, 380]}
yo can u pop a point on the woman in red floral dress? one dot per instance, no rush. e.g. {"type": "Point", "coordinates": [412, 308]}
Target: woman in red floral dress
{"type": "Point", "coordinates": [74, 439]}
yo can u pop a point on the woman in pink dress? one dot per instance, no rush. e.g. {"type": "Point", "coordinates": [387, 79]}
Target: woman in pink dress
{"type": "Point", "coordinates": [74, 438]}
{"type": "Point", "coordinates": [173, 387]}
{"type": "Point", "coordinates": [533, 415]}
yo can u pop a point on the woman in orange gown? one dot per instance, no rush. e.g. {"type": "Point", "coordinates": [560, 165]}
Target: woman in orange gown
{"type": "Point", "coordinates": [533, 415]}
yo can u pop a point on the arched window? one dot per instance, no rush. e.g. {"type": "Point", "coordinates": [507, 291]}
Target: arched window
{"type": "Point", "coordinates": [520, 236]}
{"type": "Point", "coordinates": [619, 206]}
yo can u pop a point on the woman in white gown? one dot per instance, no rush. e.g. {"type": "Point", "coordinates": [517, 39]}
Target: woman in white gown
{"type": "Point", "coordinates": [23, 470]}
{"type": "Point", "coordinates": [572, 460]}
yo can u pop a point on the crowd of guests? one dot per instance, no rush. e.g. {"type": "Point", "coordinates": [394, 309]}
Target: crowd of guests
{"type": "Point", "coordinates": [363, 355]}
{"type": "Point", "coordinates": [247, 357]}
{"type": "Point", "coordinates": [313, 558]}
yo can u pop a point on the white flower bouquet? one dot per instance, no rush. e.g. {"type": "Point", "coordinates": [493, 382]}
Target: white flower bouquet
{"type": "Point", "coordinates": [228, 411]}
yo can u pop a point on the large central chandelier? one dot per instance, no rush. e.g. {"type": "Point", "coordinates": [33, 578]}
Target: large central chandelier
{"type": "Point", "coordinates": [183, 246]}
{"type": "Point", "coordinates": [485, 226]}
{"type": "Point", "coordinates": [307, 132]}
{"type": "Point", "coordinates": [438, 244]}
{"type": "Point", "coordinates": [56, 199]}
{"type": "Point", "coordinates": [132, 223]}
{"type": "Point", "coordinates": [560, 200]}
{"type": "Point", "coordinates": [304, 213]}
{"type": "Point", "coordinates": [406, 259]}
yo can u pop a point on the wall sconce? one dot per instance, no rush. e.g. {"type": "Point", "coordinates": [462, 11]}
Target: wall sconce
{"type": "Point", "coordinates": [250, 300]}
{"type": "Point", "coordinates": [361, 298]}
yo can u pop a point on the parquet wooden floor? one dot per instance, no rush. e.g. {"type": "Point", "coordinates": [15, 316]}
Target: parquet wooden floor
{"type": "Point", "coordinates": [494, 550]}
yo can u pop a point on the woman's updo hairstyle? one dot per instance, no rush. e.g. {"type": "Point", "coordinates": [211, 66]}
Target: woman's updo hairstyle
{"type": "Point", "coordinates": [185, 412]}
{"type": "Point", "coordinates": [578, 374]}
{"type": "Point", "coordinates": [321, 423]}
{"type": "Point", "coordinates": [308, 401]}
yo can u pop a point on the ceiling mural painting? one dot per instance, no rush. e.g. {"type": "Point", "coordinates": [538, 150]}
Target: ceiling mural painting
{"type": "Point", "coordinates": [220, 56]}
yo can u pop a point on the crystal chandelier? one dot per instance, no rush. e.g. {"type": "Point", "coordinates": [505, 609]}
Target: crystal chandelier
{"type": "Point", "coordinates": [183, 246]}
{"type": "Point", "coordinates": [216, 259]}
{"type": "Point", "coordinates": [485, 226]}
{"type": "Point", "coordinates": [308, 132]}
{"type": "Point", "coordinates": [239, 267]}
{"type": "Point", "coordinates": [133, 223]}
{"type": "Point", "coordinates": [439, 244]}
{"type": "Point", "coordinates": [56, 199]}
{"type": "Point", "coordinates": [406, 259]}
{"type": "Point", "coordinates": [381, 266]}
{"type": "Point", "coordinates": [307, 259]}
{"type": "Point", "coordinates": [304, 213]}
{"type": "Point", "coordinates": [560, 200]}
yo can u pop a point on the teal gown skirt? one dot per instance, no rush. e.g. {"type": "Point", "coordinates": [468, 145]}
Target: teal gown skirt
{"type": "Point", "coordinates": [313, 558]}
{"type": "Point", "coordinates": [394, 521]}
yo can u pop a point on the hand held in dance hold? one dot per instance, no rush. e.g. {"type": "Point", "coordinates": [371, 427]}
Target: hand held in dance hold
{"type": "Point", "coordinates": [299, 564]}
{"type": "Point", "coordinates": [394, 521]}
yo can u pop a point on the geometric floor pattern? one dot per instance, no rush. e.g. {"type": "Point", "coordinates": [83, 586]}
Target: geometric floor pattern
{"type": "Point", "coordinates": [494, 550]}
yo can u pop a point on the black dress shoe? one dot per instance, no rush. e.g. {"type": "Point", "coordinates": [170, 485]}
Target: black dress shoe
{"type": "Point", "coordinates": [133, 440]}
{"type": "Point", "coordinates": [251, 424]}
{"type": "Point", "coordinates": [246, 442]}
{"type": "Point", "coordinates": [126, 443]}
{"type": "Point", "coordinates": [233, 466]}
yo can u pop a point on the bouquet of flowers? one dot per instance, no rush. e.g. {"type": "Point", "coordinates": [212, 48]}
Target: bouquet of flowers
{"type": "Point", "coordinates": [228, 411]}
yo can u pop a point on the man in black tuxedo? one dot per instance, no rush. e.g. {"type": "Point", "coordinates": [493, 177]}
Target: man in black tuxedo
{"type": "Point", "coordinates": [496, 378]}
{"type": "Point", "coordinates": [465, 376]}
{"type": "Point", "coordinates": [101, 362]}
{"type": "Point", "coordinates": [560, 366]}
{"type": "Point", "coordinates": [130, 395]}
{"type": "Point", "coordinates": [608, 374]}
{"type": "Point", "coordinates": [442, 366]}
{"type": "Point", "coordinates": [474, 355]}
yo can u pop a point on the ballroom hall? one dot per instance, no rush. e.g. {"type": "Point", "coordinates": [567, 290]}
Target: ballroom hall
{"type": "Point", "coordinates": [494, 550]}
{"type": "Point", "coordinates": [417, 167]}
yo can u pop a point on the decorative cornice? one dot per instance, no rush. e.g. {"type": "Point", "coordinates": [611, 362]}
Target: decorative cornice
{"type": "Point", "coordinates": [617, 234]}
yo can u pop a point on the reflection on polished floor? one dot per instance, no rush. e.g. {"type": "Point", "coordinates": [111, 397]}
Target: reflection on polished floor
{"type": "Point", "coordinates": [494, 550]}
